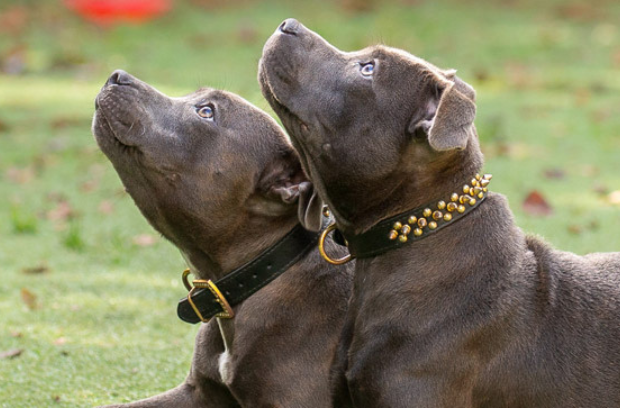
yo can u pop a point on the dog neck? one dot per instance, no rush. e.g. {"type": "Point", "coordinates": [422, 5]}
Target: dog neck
{"type": "Point", "coordinates": [417, 224]}
{"type": "Point", "coordinates": [422, 183]}
{"type": "Point", "coordinates": [213, 260]}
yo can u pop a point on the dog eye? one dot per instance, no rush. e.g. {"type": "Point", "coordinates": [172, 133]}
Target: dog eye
{"type": "Point", "coordinates": [205, 112]}
{"type": "Point", "coordinates": [367, 69]}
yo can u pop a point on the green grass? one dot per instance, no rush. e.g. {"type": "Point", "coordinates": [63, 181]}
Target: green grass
{"type": "Point", "coordinates": [104, 328]}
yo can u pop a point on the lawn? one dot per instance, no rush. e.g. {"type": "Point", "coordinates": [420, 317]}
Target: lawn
{"type": "Point", "coordinates": [89, 290]}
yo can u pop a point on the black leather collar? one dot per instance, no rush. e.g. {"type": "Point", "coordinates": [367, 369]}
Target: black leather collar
{"type": "Point", "coordinates": [416, 224]}
{"type": "Point", "coordinates": [241, 283]}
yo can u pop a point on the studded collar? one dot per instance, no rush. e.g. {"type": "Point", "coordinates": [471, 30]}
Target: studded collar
{"type": "Point", "coordinates": [412, 225]}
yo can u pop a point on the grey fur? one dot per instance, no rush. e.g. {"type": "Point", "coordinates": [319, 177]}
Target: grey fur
{"type": "Point", "coordinates": [475, 315]}
{"type": "Point", "coordinates": [223, 191]}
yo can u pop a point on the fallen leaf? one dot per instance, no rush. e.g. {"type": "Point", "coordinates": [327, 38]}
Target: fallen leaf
{"type": "Point", "coordinates": [600, 189]}
{"type": "Point", "coordinates": [29, 298]}
{"type": "Point", "coordinates": [357, 6]}
{"type": "Point", "coordinates": [554, 174]}
{"type": "Point", "coordinates": [535, 204]}
{"type": "Point", "coordinates": [144, 240]}
{"type": "Point", "coordinates": [481, 74]}
{"type": "Point", "coordinates": [578, 11]}
{"type": "Point", "coordinates": [20, 175]}
{"type": "Point", "coordinates": [575, 229]}
{"type": "Point", "coordinates": [56, 398]}
{"type": "Point", "coordinates": [36, 270]}
{"type": "Point", "coordinates": [589, 170]}
{"type": "Point", "coordinates": [106, 207]}
{"type": "Point", "coordinates": [62, 212]}
{"type": "Point", "coordinates": [614, 197]}
{"type": "Point", "coordinates": [247, 33]}
{"type": "Point", "coordinates": [56, 196]}
{"type": "Point", "coordinates": [89, 186]}
{"type": "Point", "coordinates": [615, 57]}
{"type": "Point", "coordinates": [11, 353]}
{"type": "Point", "coordinates": [13, 20]}
{"type": "Point", "coordinates": [16, 334]}
{"type": "Point", "coordinates": [60, 341]}
{"type": "Point", "coordinates": [14, 61]}
{"type": "Point", "coordinates": [4, 127]}
{"type": "Point", "coordinates": [64, 122]}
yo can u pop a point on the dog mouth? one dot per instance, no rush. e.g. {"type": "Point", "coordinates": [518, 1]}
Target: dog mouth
{"type": "Point", "coordinates": [293, 119]}
{"type": "Point", "coordinates": [113, 122]}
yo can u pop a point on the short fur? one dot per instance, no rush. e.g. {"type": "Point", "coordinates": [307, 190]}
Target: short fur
{"type": "Point", "coordinates": [223, 191]}
{"type": "Point", "coordinates": [475, 315]}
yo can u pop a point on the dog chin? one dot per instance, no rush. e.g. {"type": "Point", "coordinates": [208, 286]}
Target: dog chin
{"type": "Point", "coordinates": [107, 136]}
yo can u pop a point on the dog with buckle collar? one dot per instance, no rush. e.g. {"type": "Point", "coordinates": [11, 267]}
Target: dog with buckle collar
{"type": "Point", "coordinates": [217, 177]}
{"type": "Point", "coordinates": [453, 305]}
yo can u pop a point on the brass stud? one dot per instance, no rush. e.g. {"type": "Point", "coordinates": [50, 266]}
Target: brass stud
{"type": "Point", "coordinates": [472, 202]}
{"type": "Point", "coordinates": [412, 220]}
{"type": "Point", "coordinates": [432, 225]}
{"type": "Point", "coordinates": [478, 177]}
{"type": "Point", "coordinates": [474, 182]}
{"type": "Point", "coordinates": [487, 176]}
{"type": "Point", "coordinates": [477, 190]}
{"type": "Point", "coordinates": [406, 229]}
{"type": "Point", "coordinates": [466, 189]}
{"type": "Point", "coordinates": [397, 225]}
{"type": "Point", "coordinates": [481, 195]}
{"type": "Point", "coordinates": [437, 215]}
{"type": "Point", "coordinates": [464, 199]}
{"type": "Point", "coordinates": [393, 235]}
{"type": "Point", "coordinates": [485, 190]}
{"type": "Point", "coordinates": [461, 209]}
{"type": "Point", "coordinates": [402, 238]}
{"type": "Point", "coordinates": [417, 232]}
{"type": "Point", "coordinates": [427, 212]}
{"type": "Point", "coordinates": [484, 183]}
{"type": "Point", "coordinates": [441, 205]}
{"type": "Point", "coordinates": [422, 223]}
{"type": "Point", "coordinates": [447, 217]}
{"type": "Point", "coordinates": [454, 197]}
{"type": "Point", "coordinates": [451, 207]}
{"type": "Point", "coordinates": [326, 211]}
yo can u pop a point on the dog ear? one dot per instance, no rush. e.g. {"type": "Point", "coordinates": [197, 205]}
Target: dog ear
{"type": "Point", "coordinates": [447, 115]}
{"type": "Point", "coordinates": [310, 207]}
{"type": "Point", "coordinates": [460, 85]}
{"type": "Point", "coordinates": [285, 186]}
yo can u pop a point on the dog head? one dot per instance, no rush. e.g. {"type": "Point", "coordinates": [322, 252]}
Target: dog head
{"type": "Point", "coordinates": [210, 171]}
{"type": "Point", "coordinates": [375, 128]}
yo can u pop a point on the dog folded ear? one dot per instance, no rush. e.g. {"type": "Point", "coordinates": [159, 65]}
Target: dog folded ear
{"type": "Point", "coordinates": [452, 125]}
{"type": "Point", "coordinates": [285, 185]}
{"type": "Point", "coordinates": [460, 85]}
{"type": "Point", "coordinates": [310, 207]}
{"type": "Point", "coordinates": [447, 115]}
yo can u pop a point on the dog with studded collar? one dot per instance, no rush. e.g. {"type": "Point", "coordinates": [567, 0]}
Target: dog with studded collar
{"type": "Point", "coordinates": [472, 314]}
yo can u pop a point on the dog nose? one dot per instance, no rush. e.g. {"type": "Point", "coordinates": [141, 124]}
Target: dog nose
{"type": "Point", "coordinates": [120, 77]}
{"type": "Point", "coordinates": [289, 26]}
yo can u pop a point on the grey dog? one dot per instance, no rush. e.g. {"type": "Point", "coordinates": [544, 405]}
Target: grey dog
{"type": "Point", "coordinates": [476, 314]}
{"type": "Point", "coordinates": [218, 178]}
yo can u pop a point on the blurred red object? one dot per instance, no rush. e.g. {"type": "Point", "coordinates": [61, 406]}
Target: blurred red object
{"type": "Point", "coordinates": [105, 12]}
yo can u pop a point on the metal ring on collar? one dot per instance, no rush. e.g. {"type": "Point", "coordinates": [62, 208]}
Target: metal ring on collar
{"type": "Point", "coordinates": [341, 261]}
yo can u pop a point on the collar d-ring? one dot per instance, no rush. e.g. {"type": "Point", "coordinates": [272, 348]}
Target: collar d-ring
{"type": "Point", "coordinates": [340, 261]}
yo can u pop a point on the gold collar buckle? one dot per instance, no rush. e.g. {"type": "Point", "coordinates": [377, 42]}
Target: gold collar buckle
{"type": "Point", "coordinates": [227, 311]}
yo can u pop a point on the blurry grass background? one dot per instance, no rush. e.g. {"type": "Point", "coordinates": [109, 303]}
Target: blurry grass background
{"type": "Point", "coordinates": [88, 291]}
